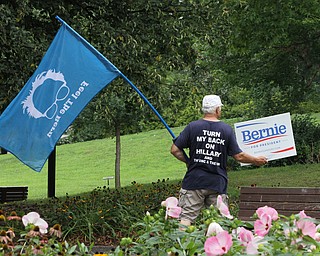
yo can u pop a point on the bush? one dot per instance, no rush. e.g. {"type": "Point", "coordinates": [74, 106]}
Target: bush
{"type": "Point", "coordinates": [104, 215]}
{"type": "Point", "coordinates": [306, 132]}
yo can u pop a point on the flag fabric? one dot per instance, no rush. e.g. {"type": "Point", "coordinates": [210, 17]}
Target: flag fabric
{"type": "Point", "coordinates": [70, 74]}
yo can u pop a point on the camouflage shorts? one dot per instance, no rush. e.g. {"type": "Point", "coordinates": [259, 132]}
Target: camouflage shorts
{"type": "Point", "coordinates": [192, 201]}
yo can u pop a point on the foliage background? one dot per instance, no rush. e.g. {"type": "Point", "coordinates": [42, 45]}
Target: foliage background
{"type": "Point", "coordinates": [261, 57]}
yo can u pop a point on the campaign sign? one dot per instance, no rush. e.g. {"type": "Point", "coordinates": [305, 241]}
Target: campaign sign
{"type": "Point", "coordinates": [271, 137]}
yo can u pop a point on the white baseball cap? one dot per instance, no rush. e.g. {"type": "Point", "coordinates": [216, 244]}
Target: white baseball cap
{"type": "Point", "coordinates": [211, 101]}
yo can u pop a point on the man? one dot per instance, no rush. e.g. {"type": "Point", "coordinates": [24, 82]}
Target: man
{"type": "Point", "coordinates": [210, 141]}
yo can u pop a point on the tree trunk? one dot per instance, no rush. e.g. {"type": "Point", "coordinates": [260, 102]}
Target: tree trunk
{"type": "Point", "coordinates": [118, 155]}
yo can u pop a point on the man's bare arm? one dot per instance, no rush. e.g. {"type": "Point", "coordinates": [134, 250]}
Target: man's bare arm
{"type": "Point", "coordinates": [178, 153]}
{"type": "Point", "coordinates": [247, 158]}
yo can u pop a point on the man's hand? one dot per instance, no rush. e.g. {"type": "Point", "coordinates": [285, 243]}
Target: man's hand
{"type": "Point", "coordinates": [260, 160]}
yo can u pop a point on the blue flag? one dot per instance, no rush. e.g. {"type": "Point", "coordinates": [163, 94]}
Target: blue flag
{"type": "Point", "coordinates": [70, 74]}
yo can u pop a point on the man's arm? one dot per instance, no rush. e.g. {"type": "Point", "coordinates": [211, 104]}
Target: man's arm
{"type": "Point", "coordinates": [246, 158]}
{"type": "Point", "coordinates": [178, 153]}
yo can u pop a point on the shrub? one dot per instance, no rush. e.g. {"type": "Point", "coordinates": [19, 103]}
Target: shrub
{"type": "Point", "coordinates": [306, 132]}
{"type": "Point", "coordinates": [104, 215]}
{"type": "Point", "coordinates": [307, 137]}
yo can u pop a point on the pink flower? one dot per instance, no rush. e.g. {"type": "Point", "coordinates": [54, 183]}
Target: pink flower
{"type": "Point", "coordinates": [317, 235]}
{"type": "Point", "coordinates": [34, 232]}
{"type": "Point", "coordinates": [223, 208]}
{"type": "Point", "coordinates": [172, 208]}
{"type": "Point", "coordinates": [56, 230]}
{"type": "Point", "coordinates": [303, 215]}
{"type": "Point", "coordinates": [267, 210]}
{"type": "Point", "coordinates": [306, 225]}
{"type": "Point", "coordinates": [13, 216]}
{"type": "Point", "coordinates": [253, 245]}
{"type": "Point", "coordinates": [214, 228]}
{"type": "Point", "coordinates": [219, 244]}
{"type": "Point", "coordinates": [4, 238]}
{"type": "Point", "coordinates": [245, 236]}
{"type": "Point", "coordinates": [37, 250]}
{"type": "Point", "coordinates": [263, 225]}
{"type": "Point", "coordinates": [33, 219]}
{"type": "Point", "coordinates": [10, 233]}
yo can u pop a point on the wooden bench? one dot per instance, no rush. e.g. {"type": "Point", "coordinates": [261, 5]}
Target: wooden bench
{"type": "Point", "coordinates": [286, 201]}
{"type": "Point", "coordinates": [9, 194]}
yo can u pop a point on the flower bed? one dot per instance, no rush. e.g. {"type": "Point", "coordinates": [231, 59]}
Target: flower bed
{"type": "Point", "coordinates": [219, 233]}
{"type": "Point", "coordinates": [216, 232]}
{"type": "Point", "coordinates": [29, 235]}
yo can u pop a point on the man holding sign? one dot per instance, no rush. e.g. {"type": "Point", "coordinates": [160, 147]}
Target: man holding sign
{"type": "Point", "coordinates": [210, 141]}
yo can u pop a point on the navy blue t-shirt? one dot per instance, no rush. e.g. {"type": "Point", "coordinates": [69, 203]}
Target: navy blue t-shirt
{"type": "Point", "coordinates": [209, 144]}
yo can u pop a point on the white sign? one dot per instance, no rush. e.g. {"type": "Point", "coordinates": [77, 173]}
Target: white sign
{"type": "Point", "coordinates": [271, 137]}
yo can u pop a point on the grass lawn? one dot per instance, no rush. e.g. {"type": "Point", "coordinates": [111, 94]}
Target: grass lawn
{"type": "Point", "coordinates": [307, 175]}
{"type": "Point", "coordinates": [145, 157]}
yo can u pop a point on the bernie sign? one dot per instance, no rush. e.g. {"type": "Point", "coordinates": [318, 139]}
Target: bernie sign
{"type": "Point", "coordinates": [269, 136]}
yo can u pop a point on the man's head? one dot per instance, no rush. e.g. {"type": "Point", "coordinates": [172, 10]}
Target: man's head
{"type": "Point", "coordinates": [210, 103]}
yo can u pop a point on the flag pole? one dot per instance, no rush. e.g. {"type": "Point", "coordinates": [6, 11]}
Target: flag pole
{"type": "Point", "coordinates": [52, 174]}
{"type": "Point", "coordinates": [122, 75]}
{"type": "Point", "coordinates": [150, 105]}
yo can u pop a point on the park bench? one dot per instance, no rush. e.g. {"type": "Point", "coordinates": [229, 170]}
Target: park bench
{"type": "Point", "coordinates": [286, 201]}
{"type": "Point", "coordinates": [9, 194]}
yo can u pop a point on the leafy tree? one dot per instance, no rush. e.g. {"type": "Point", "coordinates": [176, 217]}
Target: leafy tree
{"type": "Point", "coordinates": [21, 49]}
{"type": "Point", "coordinates": [143, 39]}
{"type": "Point", "coordinates": [271, 48]}
{"type": "Point", "coordinates": [147, 33]}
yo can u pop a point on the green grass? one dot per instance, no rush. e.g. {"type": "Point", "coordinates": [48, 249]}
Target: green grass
{"type": "Point", "coordinates": [145, 158]}
{"type": "Point", "coordinates": [289, 176]}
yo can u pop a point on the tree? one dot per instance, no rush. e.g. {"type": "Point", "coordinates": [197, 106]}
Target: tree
{"type": "Point", "coordinates": [142, 38]}
{"type": "Point", "coordinates": [153, 36]}
{"type": "Point", "coordinates": [270, 48]}
{"type": "Point", "coordinates": [21, 48]}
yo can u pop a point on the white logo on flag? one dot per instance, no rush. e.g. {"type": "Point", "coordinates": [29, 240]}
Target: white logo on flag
{"type": "Point", "coordinates": [61, 94]}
